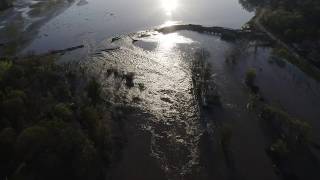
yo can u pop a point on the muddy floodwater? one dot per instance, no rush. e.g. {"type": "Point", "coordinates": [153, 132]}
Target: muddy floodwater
{"type": "Point", "coordinates": [172, 133]}
{"type": "Point", "coordinates": [172, 136]}
{"type": "Point", "coordinates": [45, 25]}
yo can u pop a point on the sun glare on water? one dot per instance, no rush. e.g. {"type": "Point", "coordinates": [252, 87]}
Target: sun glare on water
{"type": "Point", "coordinates": [167, 42]}
{"type": "Point", "coordinates": [169, 6]}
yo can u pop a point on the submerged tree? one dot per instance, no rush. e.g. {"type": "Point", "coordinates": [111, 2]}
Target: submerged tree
{"type": "Point", "coordinates": [251, 75]}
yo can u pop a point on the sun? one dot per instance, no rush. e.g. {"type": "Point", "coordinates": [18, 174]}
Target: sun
{"type": "Point", "coordinates": [169, 6]}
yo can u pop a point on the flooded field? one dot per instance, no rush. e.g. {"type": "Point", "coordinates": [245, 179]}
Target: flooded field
{"type": "Point", "coordinates": [88, 22]}
{"type": "Point", "coordinates": [191, 109]}
{"type": "Point", "coordinates": [155, 73]}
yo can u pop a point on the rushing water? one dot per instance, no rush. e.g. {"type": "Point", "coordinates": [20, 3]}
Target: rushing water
{"type": "Point", "coordinates": [170, 136]}
{"type": "Point", "coordinates": [180, 140]}
{"type": "Point", "coordinates": [167, 96]}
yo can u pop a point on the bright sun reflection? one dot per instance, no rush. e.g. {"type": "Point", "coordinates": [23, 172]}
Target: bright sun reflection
{"type": "Point", "coordinates": [169, 6]}
{"type": "Point", "coordinates": [170, 23]}
{"type": "Point", "coordinates": [167, 42]}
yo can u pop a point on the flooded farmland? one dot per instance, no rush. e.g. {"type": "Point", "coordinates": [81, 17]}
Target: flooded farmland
{"type": "Point", "coordinates": [196, 90]}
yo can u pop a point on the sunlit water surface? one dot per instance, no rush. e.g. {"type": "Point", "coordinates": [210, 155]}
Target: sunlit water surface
{"type": "Point", "coordinates": [175, 139]}
{"type": "Point", "coordinates": [168, 137]}
{"type": "Point", "coordinates": [89, 23]}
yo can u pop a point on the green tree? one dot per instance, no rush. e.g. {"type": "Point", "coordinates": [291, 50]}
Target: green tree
{"type": "Point", "coordinates": [94, 91]}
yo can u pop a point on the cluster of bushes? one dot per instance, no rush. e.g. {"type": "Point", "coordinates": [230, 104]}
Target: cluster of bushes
{"type": "Point", "coordinates": [250, 79]}
{"type": "Point", "coordinates": [204, 87]}
{"type": "Point", "coordinates": [5, 4]}
{"type": "Point", "coordinates": [252, 5]}
{"type": "Point", "coordinates": [226, 136]}
{"type": "Point", "coordinates": [291, 25]}
{"type": "Point", "coordinates": [293, 20]}
{"type": "Point", "coordinates": [290, 138]}
{"type": "Point", "coordinates": [292, 130]}
{"type": "Point", "coordinates": [53, 125]}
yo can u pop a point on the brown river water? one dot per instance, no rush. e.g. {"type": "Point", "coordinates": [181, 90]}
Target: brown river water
{"type": "Point", "coordinates": [170, 135]}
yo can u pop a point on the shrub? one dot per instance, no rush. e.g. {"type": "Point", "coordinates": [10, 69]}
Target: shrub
{"type": "Point", "coordinates": [129, 79]}
{"type": "Point", "coordinates": [7, 142]}
{"type": "Point", "coordinates": [63, 111]}
{"type": "Point", "coordinates": [293, 130]}
{"type": "Point", "coordinates": [226, 135]}
{"type": "Point", "coordinates": [141, 86]}
{"type": "Point", "coordinates": [89, 117]}
{"type": "Point", "coordinates": [279, 148]}
{"type": "Point", "coordinates": [250, 77]}
{"type": "Point", "coordinates": [4, 4]}
{"type": "Point", "coordinates": [94, 91]}
{"type": "Point", "coordinates": [4, 67]}
{"type": "Point", "coordinates": [13, 108]}
{"type": "Point", "coordinates": [31, 141]}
